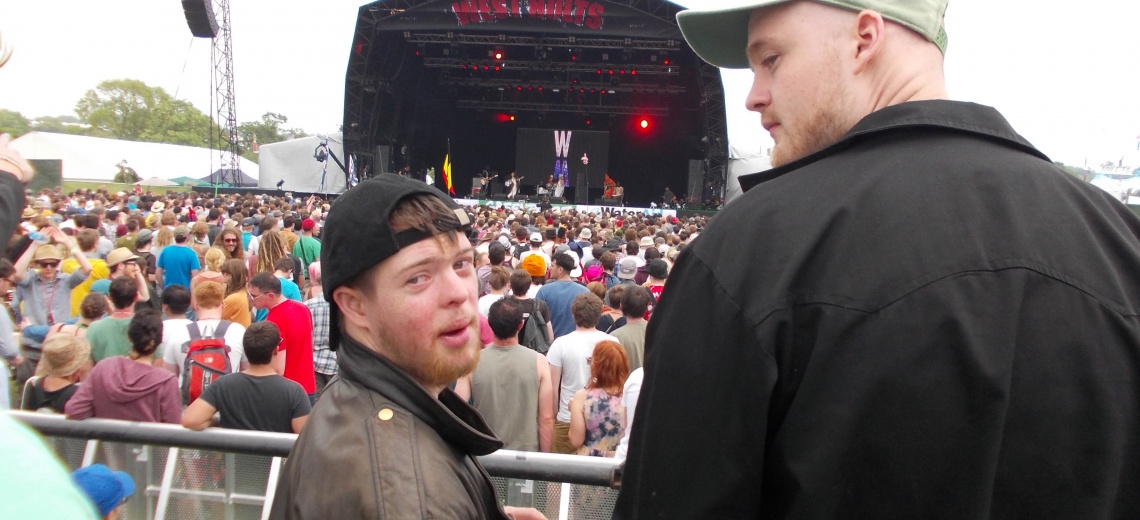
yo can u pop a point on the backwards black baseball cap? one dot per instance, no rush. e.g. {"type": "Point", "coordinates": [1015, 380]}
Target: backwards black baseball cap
{"type": "Point", "coordinates": [358, 235]}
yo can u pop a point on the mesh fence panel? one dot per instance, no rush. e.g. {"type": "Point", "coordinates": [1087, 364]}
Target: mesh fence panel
{"type": "Point", "coordinates": [204, 479]}
{"type": "Point", "coordinates": [586, 502]}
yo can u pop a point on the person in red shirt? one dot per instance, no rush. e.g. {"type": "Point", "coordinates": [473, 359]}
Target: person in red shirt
{"type": "Point", "coordinates": [293, 319]}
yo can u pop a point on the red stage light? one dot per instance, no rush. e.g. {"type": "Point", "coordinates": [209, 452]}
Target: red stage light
{"type": "Point", "coordinates": [611, 72]}
{"type": "Point", "coordinates": [503, 118]}
{"type": "Point", "coordinates": [644, 124]}
{"type": "Point", "coordinates": [486, 67]}
{"type": "Point", "coordinates": [512, 117]}
{"type": "Point", "coordinates": [573, 58]}
{"type": "Point", "coordinates": [540, 88]}
{"type": "Point", "coordinates": [587, 122]}
{"type": "Point", "coordinates": [520, 88]}
{"type": "Point", "coordinates": [666, 62]}
{"type": "Point", "coordinates": [622, 71]}
{"type": "Point", "coordinates": [498, 55]}
{"type": "Point", "coordinates": [496, 67]}
{"type": "Point", "coordinates": [634, 72]}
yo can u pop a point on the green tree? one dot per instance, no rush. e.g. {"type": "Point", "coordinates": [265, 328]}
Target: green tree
{"type": "Point", "coordinates": [132, 110]}
{"type": "Point", "coordinates": [126, 175]}
{"type": "Point", "coordinates": [61, 125]}
{"type": "Point", "coordinates": [13, 123]}
{"type": "Point", "coordinates": [269, 129]}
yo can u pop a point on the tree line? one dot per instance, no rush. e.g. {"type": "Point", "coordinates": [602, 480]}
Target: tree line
{"type": "Point", "coordinates": [131, 110]}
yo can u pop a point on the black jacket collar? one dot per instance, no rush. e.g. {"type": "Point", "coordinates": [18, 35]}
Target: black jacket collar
{"type": "Point", "coordinates": [451, 417]}
{"type": "Point", "coordinates": [951, 115]}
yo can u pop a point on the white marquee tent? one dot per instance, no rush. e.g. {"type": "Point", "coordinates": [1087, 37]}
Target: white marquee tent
{"type": "Point", "coordinates": [292, 163]}
{"type": "Point", "coordinates": [95, 158]}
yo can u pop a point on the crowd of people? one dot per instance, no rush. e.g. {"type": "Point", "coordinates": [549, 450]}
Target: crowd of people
{"type": "Point", "coordinates": [111, 292]}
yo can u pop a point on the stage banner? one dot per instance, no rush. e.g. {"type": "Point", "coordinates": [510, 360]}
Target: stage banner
{"type": "Point", "coordinates": [577, 17]}
{"type": "Point", "coordinates": [562, 157]}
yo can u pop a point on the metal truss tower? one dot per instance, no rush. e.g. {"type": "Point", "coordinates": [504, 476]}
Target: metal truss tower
{"type": "Point", "coordinates": [223, 99]}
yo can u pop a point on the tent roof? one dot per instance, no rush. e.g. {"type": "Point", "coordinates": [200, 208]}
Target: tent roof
{"type": "Point", "coordinates": [223, 175]}
{"type": "Point", "coordinates": [95, 158]}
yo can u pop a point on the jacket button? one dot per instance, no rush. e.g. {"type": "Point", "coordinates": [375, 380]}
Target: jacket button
{"type": "Point", "coordinates": [385, 414]}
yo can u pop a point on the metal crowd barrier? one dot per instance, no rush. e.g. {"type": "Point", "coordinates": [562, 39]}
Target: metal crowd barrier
{"type": "Point", "coordinates": [232, 474]}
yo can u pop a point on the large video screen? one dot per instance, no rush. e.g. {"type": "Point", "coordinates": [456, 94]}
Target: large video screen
{"type": "Point", "coordinates": [543, 153]}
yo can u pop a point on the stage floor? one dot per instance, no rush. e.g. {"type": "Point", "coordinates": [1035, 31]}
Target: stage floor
{"type": "Point", "coordinates": [588, 208]}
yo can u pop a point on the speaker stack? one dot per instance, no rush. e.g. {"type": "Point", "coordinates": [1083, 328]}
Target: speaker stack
{"type": "Point", "coordinates": [200, 17]}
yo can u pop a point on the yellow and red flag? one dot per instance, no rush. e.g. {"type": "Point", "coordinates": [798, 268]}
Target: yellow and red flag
{"type": "Point", "coordinates": [447, 173]}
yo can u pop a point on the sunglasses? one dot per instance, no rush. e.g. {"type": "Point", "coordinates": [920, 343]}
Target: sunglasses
{"type": "Point", "coordinates": [229, 240]}
{"type": "Point", "coordinates": [46, 265]}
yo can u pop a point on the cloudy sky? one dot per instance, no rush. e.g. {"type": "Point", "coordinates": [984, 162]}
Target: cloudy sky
{"type": "Point", "coordinates": [1064, 74]}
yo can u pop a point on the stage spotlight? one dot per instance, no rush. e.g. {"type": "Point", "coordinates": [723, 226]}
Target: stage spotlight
{"type": "Point", "coordinates": [499, 55]}
{"type": "Point", "coordinates": [512, 117]}
{"type": "Point", "coordinates": [643, 124]}
{"type": "Point", "coordinates": [280, 183]}
{"type": "Point", "coordinates": [666, 62]}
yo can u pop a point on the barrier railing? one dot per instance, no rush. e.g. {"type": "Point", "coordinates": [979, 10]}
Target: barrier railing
{"type": "Point", "coordinates": [231, 474]}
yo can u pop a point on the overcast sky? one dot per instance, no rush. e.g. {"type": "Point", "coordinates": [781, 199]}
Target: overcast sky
{"type": "Point", "coordinates": [1065, 74]}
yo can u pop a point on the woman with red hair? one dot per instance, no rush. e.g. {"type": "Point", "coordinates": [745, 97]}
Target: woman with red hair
{"type": "Point", "coordinates": [597, 418]}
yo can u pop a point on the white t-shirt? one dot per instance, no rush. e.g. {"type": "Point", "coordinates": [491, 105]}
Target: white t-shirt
{"type": "Point", "coordinates": [485, 303]}
{"type": "Point", "coordinates": [175, 334]}
{"type": "Point", "coordinates": [569, 353]}
{"type": "Point", "coordinates": [629, 401]}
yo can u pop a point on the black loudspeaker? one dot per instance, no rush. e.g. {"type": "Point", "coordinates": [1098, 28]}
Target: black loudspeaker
{"type": "Point", "coordinates": [200, 17]}
{"type": "Point", "coordinates": [383, 157]}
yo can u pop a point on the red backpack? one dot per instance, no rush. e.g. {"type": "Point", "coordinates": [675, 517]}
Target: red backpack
{"type": "Point", "coordinates": [207, 359]}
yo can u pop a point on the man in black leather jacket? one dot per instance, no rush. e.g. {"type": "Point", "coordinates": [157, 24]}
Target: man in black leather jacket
{"type": "Point", "coordinates": [388, 438]}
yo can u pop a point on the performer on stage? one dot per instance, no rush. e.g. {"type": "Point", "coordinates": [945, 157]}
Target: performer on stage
{"type": "Point", "coordinates": [669, 199]}
{"type": "Point", "coordinates": [513, 183]}
{"type": "Point", "coordinates": [559, 183]}
{"type": "Point", "coordinates": [609, 187]}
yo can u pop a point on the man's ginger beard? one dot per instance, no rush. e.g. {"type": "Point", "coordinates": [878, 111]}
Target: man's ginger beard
{"type": "Point", "coordinates": [442, 367]}
{"type": "Point", "coordinates": [822, 126]}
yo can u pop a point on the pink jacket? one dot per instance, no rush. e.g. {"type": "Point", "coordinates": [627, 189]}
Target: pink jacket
{"type": "Point", "coordinates": [121, 388]}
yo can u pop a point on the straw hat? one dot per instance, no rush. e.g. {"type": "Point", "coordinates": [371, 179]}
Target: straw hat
{"type": "Point", "coordinates": [47, 252]}
{"type": "Point", "coordinates": [62, 355]}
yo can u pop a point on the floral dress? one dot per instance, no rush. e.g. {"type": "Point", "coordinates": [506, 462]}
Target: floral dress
{"type": "Point", "coordinates": [604, 418]}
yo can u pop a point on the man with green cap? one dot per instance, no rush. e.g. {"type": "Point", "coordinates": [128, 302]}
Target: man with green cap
{"type": "Point", "coordinates": [950, 332]}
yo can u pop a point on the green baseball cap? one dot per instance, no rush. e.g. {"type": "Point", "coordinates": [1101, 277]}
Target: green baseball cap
{"type": "Point", "coordinates": [720, 36]}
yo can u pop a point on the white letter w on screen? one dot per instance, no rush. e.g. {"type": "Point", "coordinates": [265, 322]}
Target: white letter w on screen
{"type": "Point", "coordinates": [562, 143]}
